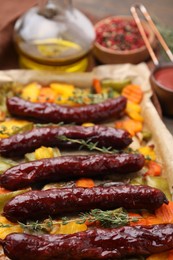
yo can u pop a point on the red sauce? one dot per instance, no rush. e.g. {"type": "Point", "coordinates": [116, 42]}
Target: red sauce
{"type": "Point", "coordinates": [165, 77]}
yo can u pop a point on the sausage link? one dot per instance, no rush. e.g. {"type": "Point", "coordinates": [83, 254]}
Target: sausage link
{"type": "Point", "coordinates": [36, 205]}
{"type": "Point", "coordinates": [20, 144]}
{"type": "Point", "coordinates": [98, 244]}
{"type": "Point", "coordinates": [69, 167]}
{"type": "Point", "coordinates": [53, 113]}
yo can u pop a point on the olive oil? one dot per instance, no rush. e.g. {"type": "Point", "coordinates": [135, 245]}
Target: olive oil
{"type": "Point", "coordinates": [57, 37]}
{"type": "Point", "coordinates": [78, 66]}
{"type": "Point", "coordinates": [52, 54]}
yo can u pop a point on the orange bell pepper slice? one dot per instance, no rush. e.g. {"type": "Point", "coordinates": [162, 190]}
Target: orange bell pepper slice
{"type": "Point", "coordinates": [85, 182]}
{"type": "Point", "coordinates": [3, 190]}
{"type": "Point", "coordinates": [165, 212]}
{"type": "Point", "coordinates": [154, 169]}
{"type": "Point", "coordinates": [46, 94]}
{"type": "Point", "coordinates": [129, 125]}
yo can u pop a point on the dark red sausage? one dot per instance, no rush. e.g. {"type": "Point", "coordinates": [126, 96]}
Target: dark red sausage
{"type": "Point", "coordinates": [20, 144]}
{"type": "Point", "coordinates": [95, 244]}
{"type": "Point", "coordinates": [70, 167]}
{"type": "Point", "coordinates": [53, 113]}
{"type": "Point", "coordinates": [35, 205]}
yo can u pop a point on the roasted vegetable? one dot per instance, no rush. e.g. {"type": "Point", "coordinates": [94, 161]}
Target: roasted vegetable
{"type": "Point", "coordinates": [115, 84]}
{"type": "Point", "coordinates": [133, 93]}
{"type": "Point", "coordinates": [31, 91]}
{"type": "Point", "coordinates": [14, 126]}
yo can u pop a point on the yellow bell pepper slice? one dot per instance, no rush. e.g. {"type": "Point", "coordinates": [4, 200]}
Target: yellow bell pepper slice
{"type": "Point", "coordinates": [148, 151]}
{"type": "Point", "coordinates": [14, 126]}
{"type": "Point", "coordinates": [160, 256]}
{"type": "Point", "coordinates": [87, 124]}
{"type": "Point", "coordinates": [6, 227]}
{"type": "Point", "coordinates": [69, 228]}
{"type": "Point", "coordinates": [62, 88]}
{"type": "Point", "coordinates": [31, 91]}
{"type": "Point", "coordinates": [133, 111]}
{"type": "Point", "coordinates": [63, 91]}
{"type": "Point", "coordinates": [45, 152]}
{"type": "Point", "coordinates": [131, 106]}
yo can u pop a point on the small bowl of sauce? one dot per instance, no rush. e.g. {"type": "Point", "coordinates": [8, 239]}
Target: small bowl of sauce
{"type": "Point", "coordinates": [162, 82]}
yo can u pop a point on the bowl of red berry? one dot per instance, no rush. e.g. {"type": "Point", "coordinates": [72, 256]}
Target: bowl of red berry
{"type": "Point", "coordinates": [118, 40]}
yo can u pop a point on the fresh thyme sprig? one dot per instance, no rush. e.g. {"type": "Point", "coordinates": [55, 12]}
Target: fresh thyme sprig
{"type": "Point", "coordinates": [88, 144]}
{"type": "Point", "coordinates": [109, 218]}
{"type": "Point", "coordinates": [36, 226]}
{"type": "Point", "coordinates": [5, 225]}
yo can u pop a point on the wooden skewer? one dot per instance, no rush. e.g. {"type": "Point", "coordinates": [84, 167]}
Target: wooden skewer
{"type": "Point", "coordinates": [144, 11]}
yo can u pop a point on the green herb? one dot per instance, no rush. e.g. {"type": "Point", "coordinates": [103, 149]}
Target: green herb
{"type": "Point", "coordinates": [110, 218]}
{"type": "Point", "coordinates": [65, 221]}
{"type": "Point", "coordinates": [88, 144]}
{"type": "Point", "coordinates": [80, 98]}
{"type": "Point", "coordinates": [39, 227]}
{"type": "Point", "coordinates": [5, 225]}
{"type": "Point", "coordinates": [32, 226]}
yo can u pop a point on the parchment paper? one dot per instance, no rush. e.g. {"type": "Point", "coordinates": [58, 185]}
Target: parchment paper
{"type": "Point", "coordinates": [139, 74]}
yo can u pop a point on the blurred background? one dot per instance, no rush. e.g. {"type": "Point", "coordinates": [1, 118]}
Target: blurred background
{"type": "Point", "coordinates": [162, 9]}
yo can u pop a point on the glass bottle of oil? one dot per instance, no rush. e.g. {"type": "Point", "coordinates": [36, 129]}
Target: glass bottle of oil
{"type": "Point", "coordinates": [54, 36]}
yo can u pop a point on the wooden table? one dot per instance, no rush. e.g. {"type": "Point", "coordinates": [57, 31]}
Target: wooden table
{"type": "Point", "coordinates": [160, 9]}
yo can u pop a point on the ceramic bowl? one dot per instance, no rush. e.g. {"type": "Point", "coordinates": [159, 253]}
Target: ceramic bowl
{"type": "Point", "coordinates": [109, 56]}
{"type": "Point", "coordinates": [164, 94]}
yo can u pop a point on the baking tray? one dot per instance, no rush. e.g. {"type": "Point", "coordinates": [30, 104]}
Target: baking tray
{"type": "Point", "coordinates": [139, 74]}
